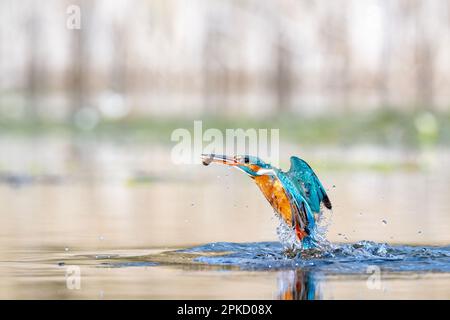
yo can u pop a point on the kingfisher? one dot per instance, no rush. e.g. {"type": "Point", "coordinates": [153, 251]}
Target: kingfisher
{"type": "Point", "coordinates": [295, 195]}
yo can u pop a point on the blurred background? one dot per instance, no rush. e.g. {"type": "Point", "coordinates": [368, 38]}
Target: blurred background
{"type": "Point", "coordinates": [234, 58]}
{"type": "Point", "coordinates": [359, 89]}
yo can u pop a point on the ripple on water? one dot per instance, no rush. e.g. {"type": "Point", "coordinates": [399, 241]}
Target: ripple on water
{"type": "Point", "coordinates": [332, 258]}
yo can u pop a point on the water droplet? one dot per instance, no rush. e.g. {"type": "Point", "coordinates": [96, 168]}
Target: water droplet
{"type": "Point", "coordinates": [66, 249]}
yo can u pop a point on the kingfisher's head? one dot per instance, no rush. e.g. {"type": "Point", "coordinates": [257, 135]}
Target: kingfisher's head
{"type": "Point", "coordinates": [249, 164]}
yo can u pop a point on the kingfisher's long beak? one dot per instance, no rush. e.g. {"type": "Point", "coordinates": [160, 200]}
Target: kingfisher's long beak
{"type": "Point", "coordinates": [222, 159]}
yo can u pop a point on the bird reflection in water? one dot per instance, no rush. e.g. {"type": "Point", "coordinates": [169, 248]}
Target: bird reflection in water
{"type": "Point", "coordinates": [297, 285]}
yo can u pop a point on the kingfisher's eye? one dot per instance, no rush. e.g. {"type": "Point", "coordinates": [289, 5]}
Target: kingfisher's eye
{"type": "Point", "coordinates": [244, 159]}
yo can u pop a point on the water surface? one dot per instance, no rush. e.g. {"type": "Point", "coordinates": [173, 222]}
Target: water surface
{"type": "Point", "coordinates": [138, 226]}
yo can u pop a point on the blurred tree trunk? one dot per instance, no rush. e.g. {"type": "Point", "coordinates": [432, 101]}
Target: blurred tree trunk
{"type": "Point", "coordinates": [283, 73]}
{"type": "Point", "coordinates": [343, 50]}
{"type": "Point", "coordinates": [119, 61]}
{"type": "Point", "coordinates": [216, 75]}
{"type": "Point", "coordinates": [424, 58]}
{"type": "Point", "coordinates": [386, 53]}
{"type": "Point", "coordinates": [33, 77]}
{"type": "Point", "coordinates": [208, 76]}
{"type": "Point", "coordinates": [334, 40]}
{"type": "Point", "coordinates": [78, 82]}
{"type": "Point", "coordinates": [423, 52]}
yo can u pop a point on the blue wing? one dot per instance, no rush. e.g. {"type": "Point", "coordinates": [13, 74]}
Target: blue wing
{"type": "Point", "coordinates": [308, 183]}
{"type": "Point", "coordinates": [301, 209]}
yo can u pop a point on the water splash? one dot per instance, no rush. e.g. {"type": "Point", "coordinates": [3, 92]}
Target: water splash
{"type": "Point", "coordinates": [287, 236]}
{"type": "Point", "coordinates": [334, 258]}
{"type": "Point", "coordinates": [291, 244]}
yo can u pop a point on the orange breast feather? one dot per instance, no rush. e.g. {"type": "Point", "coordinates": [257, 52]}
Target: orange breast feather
{"type": "Point", "coordinates": [275, 194]}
